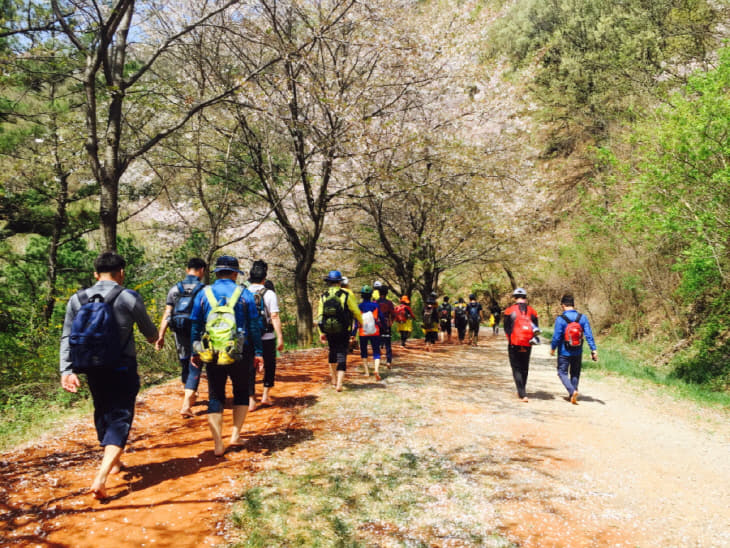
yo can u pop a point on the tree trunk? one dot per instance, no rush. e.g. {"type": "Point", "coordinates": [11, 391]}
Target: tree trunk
{"type": "Point", "coordinates": [305, 320]}
{"type": "Point", "coordinates": [511, 277]}
{"type": "Point", "coordinates": [59, 224]}
{"type": "Point", "coordinates": [108, 211]}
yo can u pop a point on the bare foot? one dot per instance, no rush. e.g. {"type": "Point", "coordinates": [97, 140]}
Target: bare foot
{"type": "Point", "coordinates": [265, 402]}
{"type": "Point", "coordinates": [236, 441]}
{"type": "Point", "coordinates": [252, 407]}
{"type": "Point", "coordinates": [524, 399]}
{"type": "Point", "coordinates": [186, 413]}
{"type": "Point", "coordinates": [219, 448]}
{"type": "Point", "coordinates": [98, 490]}
{"type": "Point", "coordinates": [339, 389]}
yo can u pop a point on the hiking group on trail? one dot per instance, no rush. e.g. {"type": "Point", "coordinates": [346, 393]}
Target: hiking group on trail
{"type": "Point", "coordinates": [235, 331]}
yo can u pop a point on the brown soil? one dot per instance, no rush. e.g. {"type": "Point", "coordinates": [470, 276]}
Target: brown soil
{"type": "Point", "coordinates": [625, 467]}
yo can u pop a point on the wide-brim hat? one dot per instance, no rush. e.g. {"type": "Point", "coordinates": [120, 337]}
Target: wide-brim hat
{"type": "Point", "coordinates": [227, 262]}
{"type": "Point", "coordinates": [333, 276]}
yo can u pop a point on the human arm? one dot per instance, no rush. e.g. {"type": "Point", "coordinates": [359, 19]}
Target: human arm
{"type": "Point", "coordinates": [72, 308]}
{"type": "Point", "coordinates": [69, 381]}
{"type": "Point", "coordinates": [353, 308]}
{"type": "Point", "coordinates": [163, 327]}
{"type": "Point", "coordinates": [320, 313]}
{"type": "Point", "coordinates": [197, 317]}
{"type": "Point", "coordinates": [276, 322]}
{"type": "Point", "coordinates": [588, 334]}
{"type": "Point", "coordinates": [558, 331]}
{"type": "Point", "coordinates": [142, 319]}
{"type": "Point", "coordinates": [507, 322]}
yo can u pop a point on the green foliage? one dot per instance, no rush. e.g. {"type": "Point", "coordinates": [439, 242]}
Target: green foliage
{"type": "Point", "coordinates": [595, 60]}
{"type": "Point", "coordinates": [684, 175]}
{"type": "Point", "coordinates": [707, 361]}
{"type": "Point", "coordinates": [659, 247]}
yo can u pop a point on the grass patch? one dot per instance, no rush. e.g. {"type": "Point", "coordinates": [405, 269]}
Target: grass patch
{"type": "Point", "coordinates": [24, 417]}
{"type": "Point", "coordinates": [368, 479]}
{"type": "Point", "coordinates": [349, 500]}
{"type": "Point", "coordinates": [615, 358]}
{"type": "Point", "coordinates": [30, 410]}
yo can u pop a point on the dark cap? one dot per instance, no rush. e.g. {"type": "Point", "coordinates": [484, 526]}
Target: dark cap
{"type": "Point", "coordinates": [226, 262]}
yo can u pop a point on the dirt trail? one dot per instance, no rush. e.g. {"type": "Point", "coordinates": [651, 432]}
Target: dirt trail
{"type": "Point", "coordinates": [625, 467]}
{"type": "Point", "coordinates": [174, 491]}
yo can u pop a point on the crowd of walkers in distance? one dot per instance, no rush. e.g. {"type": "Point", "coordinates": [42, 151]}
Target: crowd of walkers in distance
{"type": "Point", "coordinates": [235, 331]}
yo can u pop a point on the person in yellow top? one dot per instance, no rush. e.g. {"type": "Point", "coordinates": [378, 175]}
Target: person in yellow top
{"type": "Point", "coordinates": [430, 321]}
{"type": "Point", "coordinates": [335, 312]}
{"type": "Point", "coordinates": [404, 319]}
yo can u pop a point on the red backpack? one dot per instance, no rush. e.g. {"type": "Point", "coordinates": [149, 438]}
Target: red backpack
{"type": "Point", "coordinates": [521, 328]}
{"type": "Point", "coordinates": [401, 313]}
{"type": "Point", "coordinates": [573, 336]}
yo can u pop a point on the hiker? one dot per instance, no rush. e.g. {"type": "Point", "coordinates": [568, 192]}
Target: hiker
{"type": "Point", "coordinates": [404, 319]}
{"type": "Point", "coordinates": [521, 327]}
{"type": "Point", "coordinates": [430, 321]}
{"type": "Point", "coordinates": [496, 311]}
{"type": "Point", "coordinates": [571, 327]}
{"type": "Point", "coordinates": [335, 313]}
{"type": "Point", "coordinates": [444, 312]}
{"type": "Point", "coordinates": [460, 319]}
{"type": "Point", "coordinates": [376, 290]}
{"type": "Point", "coordinates": [353, 344]}
{"type": "Point", "coordinates": [386, 317]}
{"type": "Point", "coordinates": [369, 331]}
{"type": "Point", "coordinates": [111, 368]}
{"type": "Point", "coordinates": [474, 318]}
{"type": "Point", "coordinates": [178, 306]}
{"type": "Point", "coordinates": [226, 335]}
{"type": "Point", "coordinates": [272, 338]}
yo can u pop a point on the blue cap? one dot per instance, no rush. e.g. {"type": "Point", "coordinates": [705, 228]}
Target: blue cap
{"type": "Point", "coordinates": [226, 262]}
{"type": "Point", "coordinates": [334, 276]}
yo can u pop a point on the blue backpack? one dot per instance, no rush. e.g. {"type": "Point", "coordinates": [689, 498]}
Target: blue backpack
{"type": "Point", "coordinates": [180, 317]}
{"type": "Point", "coordinates": [94, 338]}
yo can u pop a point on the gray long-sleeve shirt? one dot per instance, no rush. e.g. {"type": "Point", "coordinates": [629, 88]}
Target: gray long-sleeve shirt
{"type": "Point", "coordinates": [128, 310]}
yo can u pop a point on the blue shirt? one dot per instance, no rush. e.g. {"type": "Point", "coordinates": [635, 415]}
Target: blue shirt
{"type": "Point", "coordinates": [559, 332]}
{"type": "Point", "coordinates": [247, 316]}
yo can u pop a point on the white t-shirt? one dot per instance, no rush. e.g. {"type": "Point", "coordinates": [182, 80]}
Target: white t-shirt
{"type": "Point", "coordinates": [271, 305]}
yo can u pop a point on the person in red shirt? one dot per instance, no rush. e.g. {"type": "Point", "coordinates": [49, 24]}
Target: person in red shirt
{"type": "Point", "coordinates": [386, 317]}
{"type": "Point", "coordinates": [520, 326]}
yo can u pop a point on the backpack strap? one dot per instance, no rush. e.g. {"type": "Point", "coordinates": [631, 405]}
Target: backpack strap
{"type": "Point", "coordinates": [113, 294]}
{"type": "Point", "coordinates": [212, 301]}
{"type": "Point", "coordinates": [233, 299]}
{"type": "Point", "coordinates": [567, 320]}
{"type": "Point", "coordinates": [82, 296]}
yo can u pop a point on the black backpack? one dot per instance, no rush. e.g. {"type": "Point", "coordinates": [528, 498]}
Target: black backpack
{"type": "Point", "coordinates": [460, 315]}
{"type": "Point", "coordinates": [94, 338]}
{"type": "Point", "coordinates": [335, 319]}
{"type": "Point", "coordinates": [180, 317]}
{"type": "Point", "coordinates": [428, 316]}
{"type": "Point", "coordinates": [473, 311]}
